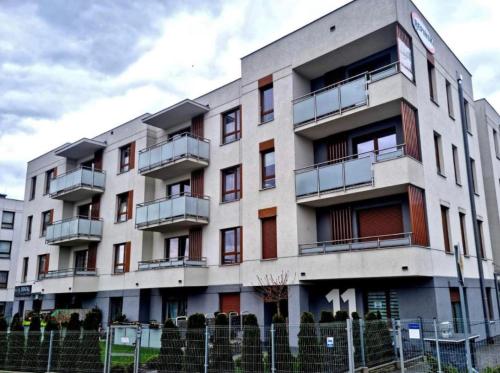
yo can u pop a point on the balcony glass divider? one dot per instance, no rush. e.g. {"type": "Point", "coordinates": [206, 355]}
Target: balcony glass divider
{"type": "Point", "coordinates": [77, 178]}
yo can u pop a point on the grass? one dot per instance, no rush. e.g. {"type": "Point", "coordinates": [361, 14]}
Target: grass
{"type": "Point", "coordinates": [147, 354]}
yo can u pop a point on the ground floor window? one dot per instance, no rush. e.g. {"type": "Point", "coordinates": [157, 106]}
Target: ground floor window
{"type": "Point", "coordinates": [115, 308]}
{"type": "Point", "coordinates": [456, 310]}
{"type": "Point", "coordinates": [385, 301]}
{"type": "Point", "coordinates": [2, 308]}
{"type": "Point", "coordinates": [173, 308]}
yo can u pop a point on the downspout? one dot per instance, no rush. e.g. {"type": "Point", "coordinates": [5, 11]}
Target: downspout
{"type": "Point", "coordinates": [470, 185]}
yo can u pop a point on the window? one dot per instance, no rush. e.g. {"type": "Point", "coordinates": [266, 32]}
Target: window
{"type": "Point", "coordinates": [49, 175]}
{"type": "Point", "coordinates": [456, 310]}
{"type": "Point", "coordinates": [43, 265]}
{"type": "Point", "coordinates": [231, 245]}
{"type": "Point", "coordinates": [449, 99]}
{"type": "Point", "coordinates": [179, 189]}
{"type": "Point", "coordinates": [177, 247]}
{"type": "Point", "coordinates": [481, 239]}
{"type": "Point", "coordinates": [266, 103]}
{"type": "Point", "coordinates": [46, 221]}
{"type": "Point", "coordinates": [173, 307]}
{"type": "Point", "coordinates": [489, 302]}
{"type": "Point", "coordinates": [386, 302]}
{"type": "Point", "coordinates": [5, 247]}
{"type": "Point", "coordinates": [29, 227]}
{"type": "Point", "coordinates": [268, 169]}
{"type": "Point", "coordinates": [8, 220]}
{"type": "Point", "coordinates": [438, 150]}
{"type": "Point", "coordinates": [231, 126]}
{"type": "Point", "coordinates": [495, 143]}
{"type": "Point", "coordinates": [269, 240]}
{"type": "Point", "coordinates": [463, 233]}
{"type": "Point", "coordinates": [229, 302]}
{"type": "Point", "coordinates": [25, 269]}
{"type": "Point", "coordinates": [32, 188]}
{"type": "Point", "coordinates": [378, 143]}
{"type": "Point", "coordinates": [124, 206]}
{"type": "Point", "coordinates": [127, 157]}
{"type": "Point", "coordinates": [446, 228]}
{"type": "Point", "coordinates": [474, 176]}
{"type": "Point", "coordinates": [431, 71]}
{"type": "Point", "coordinates": [467, 117]}
{"type": "Point", "coordinates": [231, 184]}
{"type": "Point", "coordinates": [81, 260]}
{"type": "Point", "coordinates": [4, 277]}
{"type": "Point", "coordinates": [115, 308]}
{"type": "Point", "coordinates": [456, 165]}
{"type": "Point", "coordinates": [119, 265]}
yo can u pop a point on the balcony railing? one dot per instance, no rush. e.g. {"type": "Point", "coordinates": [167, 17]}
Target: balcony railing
{"type": "Point", "coordinates": [146, 265]}
{"type": "Point", "coordinates": [68, 272]}
{"type": "Point", "coordinates": [338, 97]}
{"type": "Point", "coordinates": [343, 173]}
{"type": "Point", "coordinates": [354, 244]}
{"type": "Point", "coordinates": [74, 228]}
{"type": "Point", "coordinates": [178, 207]}
{"type": "Point", "coordinates": [77, 178]}
{"type": "Point", "coordinates": [182, 146]}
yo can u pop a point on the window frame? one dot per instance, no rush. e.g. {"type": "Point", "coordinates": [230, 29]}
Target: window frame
{"type": "Point", "coordinates": [116, 264]}
{"type": "Point", "coordinates": [456, 165]}
{"type": "Point", "coordinates": [6, 255]}
{"type": "Point", "coordinates": [24, 275]}
{"type": "Point", "coordinates": [237, 254]}
{"type": "Point", "coordinates": [32, 188]}
{"type": "Point", "coordinates": [29, 228]}
{"type": "Point", "coordinates": [237, 126]}
{"type": "Point", "coordinates": [4, 285]}
{"type": "Point", "coordinates": [125, 166]}
{"type": "Point", "coordinates": [120, 199]}
{"type": "Point", "coordinates": [431, 72]}
{"type": "Point", "coordinates": [482, 248]}
{"type": "Point", "coordinates": [44, 224]}
{"type": "Point", "coordinates": [183, 243]}
{"type": "Point", "coordinates": [475, 185]}
{"type": "Point", "coordinates": [449, 100]}
{"type": "Point", "coordinates": [5, 224]}
{"type": "Point", "coordinates": [264, 113]}
{"type": "Point", "coordinates": [41, 270]}
{"type": "Point", "coordinates": [468, 124]}
{"type": "Point", "coordinates": [264, 177]}
{"type": "Point", "coordinates": [49, 175]}
{"type": "Point", "coordinates": [238, 181]}
{"type": "Point", "coordinates": [438, 154]}
{"type": "Point", "coordinates": [463, 232]}
{"type": "Point", "coordinates": [445, 225]}
{"type": "Point", "coordinates": [496, 146]}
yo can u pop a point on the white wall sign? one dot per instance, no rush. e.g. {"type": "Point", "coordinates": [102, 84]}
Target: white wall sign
{"type": "Point", "coordinates": [348, 296]}
{"type": "Point", "coordinates": [405, 59]}
{"type": "Point", "coordinates": [422, 32]}
{"type": "Point", "coordinates": [329, 342]}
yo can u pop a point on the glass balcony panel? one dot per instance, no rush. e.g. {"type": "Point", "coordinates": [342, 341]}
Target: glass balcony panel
{"type": "Point", "coordinates": [330, 177]}
{"type": "Point", "coordinates": [155, 156]}
{"type": "Point", "coordinates": [96, 227]}
{"type": "Point", "coordinates": [204, 149]}
{"type": "Point", "coordinates": [180, 146]}
{"type": "Point", "coordinates": [306, 182]}
{"type": "Point", "coordinates": [191, 206]}
{"type": "Point", "coordinates": [389, 154]}
{"type": "Point", "coordinates": [83, 226]}
{"type": "Point", "coordinates": [50, 233]}
{"type": "Point", "coordinates": [87, 177]}
{"type": "Point", "coordinates": [178, 206]}
{"type": "Point", "coordinates": [384, 73]}
{"type": "Point", "coordinates": [153, 212]}
{"type": "Point", "coordinates": [167, 152]}
{"type": "Point", "coordinates": [193, 146]}
{"type": "Point", "coordinates": [358, 171]}
{"type": "Point", "coordinates": [203, 207]}
{"type": "Point", "coordinates": [99, 179]}
{"type": "Point", "coordinates": [353, 93]}
{"type": "Point", "coordinates": [165, 209]}
{"type": "Point", "coordinates": [57, 231]}
{"type": "Point", "coordinates": [303, 110]}
{"type": "Point", "coordinates": [144, 159]}
{"type": "Point", "coordinates": [141, 214]}
{"type": "Point", "coordinates": [327, 102]}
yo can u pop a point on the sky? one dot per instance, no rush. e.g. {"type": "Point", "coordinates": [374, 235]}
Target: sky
{"type": "Point", "coordinates": [73, 69]}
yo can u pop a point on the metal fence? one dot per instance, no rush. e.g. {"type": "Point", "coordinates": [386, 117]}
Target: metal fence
{"type": "Point", "coordinates": [344, 346]}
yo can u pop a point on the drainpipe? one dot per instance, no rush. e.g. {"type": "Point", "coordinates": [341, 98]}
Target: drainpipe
{"type": "Point", "coordinates": [470, 185]}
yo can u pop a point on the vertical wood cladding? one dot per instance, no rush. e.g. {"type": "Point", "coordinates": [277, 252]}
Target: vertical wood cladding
{"type": "Point", "coordinates": [130, 204]}
{"type": "Point", "coordinates": [341, 220]}
{"type": "Point", "coordinates": [96, 207]}
{"type": "Point", "coordinates": [410, 129]}
{"type": "Point", "coordinates": [92, 256]}
{"type": "Point", "coordinates": [98, 159]}
{"type": "Point", "coordinates": [195, 244]}
{"type": "Point", "coordinates": [197, 126]}
{"type": "Point", "coordinates": [416, 201]}
{"type": "Point", "coordinates": [380, 221]}
{"type": "Point", "coordinates": [126, 264]}
{"type": "Point", "coordinates": [131, 162]}
{"type": "Point", "coordinates": [229, 302]}
{"type": "Point", "coordinates": [403, 35]}
{"type": "Point", "coordinates": [197, 181]}
{"type": "Point", "coordinates": [337, 148]}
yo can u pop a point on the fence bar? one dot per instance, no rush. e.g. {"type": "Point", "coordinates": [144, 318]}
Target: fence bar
{"type": "Point", "coordinates": [273, 357]}
{"type": "Point", "coordinates": [137, 356]}
{"type": "Point", "coordinates": [438, 353]}
{"type": "Point", "coordinates": [400, 343]}
{"type": "Point", "coordinates": [206, 349]}
{"type": "Point", "coordinates": [106, 351]}
{"type": "Point", "coordinates": [49, 358]}
{"type": "Point", "coordinates": [350, 345]}
{"type": "Point", "coordinates": [362, 341]}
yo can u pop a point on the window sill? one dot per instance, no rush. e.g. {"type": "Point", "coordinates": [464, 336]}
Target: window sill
{"type": "Point", "coordinates": [123, 172]}
{"type": "Point", "coordinates": [451, 116]}
{"type": "Point", "coordinates": [458, 184]}
{"type": "Point", "coordinates": [268, 188]}
{"type": "Point", "coordinates": [265, 122]}
{"type": "Point", "coordinates": [442, 175]}
{"type": "Point", "coordinates": [229, 142]}
{"type": "Point", "coordinates": [269, 259]}
{"type": "Point", "coordinates": [477, 194]}
{"type": "Point", "coordinates": [229, 264]}
{"type": "Point", "coordinates": [226, 202]}
{"type": "Point", "coordinates": [469, 132]}
{"type": "Point", "coordinates": [5, 257]}
{"type": "Point", "coordinates": [121, 222]}
{"type": "Point", "coordinates": [449, 252]}
{"type": "Point", "coordinates": [118, 273]}
{"type": "Point", "coordinates": [434, 102]}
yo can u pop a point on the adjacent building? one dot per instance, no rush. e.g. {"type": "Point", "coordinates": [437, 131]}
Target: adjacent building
{"type": "Point", "coordinates": [337, 160]}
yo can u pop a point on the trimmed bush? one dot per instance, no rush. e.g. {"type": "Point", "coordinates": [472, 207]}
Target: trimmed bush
{"type": "Point", "coordinates": [3, 341]}
{"type": "Point", "coordinates": [283, 357]}
{"type": "Point", "coordinates": [15, 352]}
{"type": "Point", "coordinates": [89, 357]}
{"type": "Point", "coordinates": [221, 355]}
{"type": "Point", "coordinates": [327, 329]}
{"type": "Point", "coordinates": [378, 340]}
{"type": "Point", "coordinates": [43, 355]}
{"type": "Point", "coordinates": [195, 344]}
{"type": "Point", "coordinates": [32, 345]}
{"type": "Point", "coordinates": [70, 346]}
{"type": "Point", "coordinates": [251, 354]}
{"type": "Point", "coordinates": [309, 348]}
{"type": "Point", "coordinates": [171, 355]}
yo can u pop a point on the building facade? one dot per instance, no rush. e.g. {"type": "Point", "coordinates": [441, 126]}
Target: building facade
{"type": "Point", "coordinates": [11, 213]}
{"type": "Point", "coordinates": [336, 162]}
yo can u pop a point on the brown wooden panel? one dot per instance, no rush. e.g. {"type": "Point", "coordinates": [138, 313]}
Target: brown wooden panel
{"type": "Point", "coordinates": [268, 212]}
{"type": "Point", "coordinates": [98, 159]}
{"type": "Point", "coordinates": [51, 216]}
{"type": "Point", "coordinates": [55, 173]}
{"type": "Point", "coordinates": [337, 148]}
{"type": "Point", "coordinates": [266, 145]}
{"type": "Point", "coordinates": [197, 126]}
{"type": "Point", "coordinates": [380, 221]}
{"type": "Point", "coordinates": [269, 240]}
{"type": "Point", "coordinates": [341, 221]}
{"type": "Point", "coordinates": [229, 302]}
{"type": "Point", "coordinates": [96, 207]}
{"type": "Point", "coordinates": [265, 81]}
{"type": "Point", "coordinates": [416, 201]}
{"type": "Point", "coordinates": [47, 260]}
{"type": "Point", "coordinates": [131, 163]}
{"type": "Point", "coordinates": [197, 183]}
{"type": "Point", "coordinates": [126, 264]}
{"type": "Point", "coordinates": [195, 243]}
{"type": "Point", "coordinates": [92, 256]}
{"type": "Point", "coordinates": [410, 129]}
{"type": "Point", "coordinates": [403, 35]}
{"type": "Point", "coordinates": [130, 204]}
{"type": "Point", "coordinates": [454, 295]}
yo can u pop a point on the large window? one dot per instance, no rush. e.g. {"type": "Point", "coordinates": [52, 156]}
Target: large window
{"type": "Point", "coordinates": [231, 245]}
{"type": "Point", "coordinates": [266, 103]}
{"type": "Point", "coordinates": [173, 307]}
{"type": "Point", "coordinates": [489, 303]}
{"type": "Point", "coordinates": [124, 206]}
{"type": "Point", "coordinates": [268, 169]}
{"type": "Point", "coordinates": [438, 153]}
{"type": "Point", "coordinates": [43, 265]}
{"type": "Point", "coordinates": [81, 260]}
{"type": "Point", "coordinates": [431, 71]}
{"type": "Point", "coordinates": [46, 221]}
{"type": "Point", "coordinates": [456, 165]}
{"type": "Point", "coordinates": [474, 176]}
{"type": "Point", "coordinates": [119, 261]}
{"type": "Point", "coordinates": [231, 184]}
{"type": "Point", "coordinates": [481, 239]}
{"type": "Point", "coordinates": [49, 175]}
{"type": "Point", "coordinates": [386, 302]}
{"type": "Point", "coordinates": [178, 189]}
{"type": "Point", "coordinates": [379, 143]}
{"type": "Point", "coordinates": [463, 233]}
{"type": "Point", "coordinates": [231, 126]}
{"type": "Point", "coordinates": [24, 277]}
{"type": "Point", "coordinates": [5, 247]}
{"type": "Point", "coordinates": [126, 157]}
{"type": "Point", "coordinates": [8, 220]}
{"type": "Point", "coordinates": [177, 247]}
{"type": "Point", "coordinates": [449, 98]}
{"type": "Point", "coordinates": [115, 308]}
{"type": "Point", "coordinates": [4, 278]}
{"type": "Point", "coordinates": [29, 227]}
{"type": "Point", "coordinates": [445, 221]}
{"type": "Point", "coordinates": [32, 188]}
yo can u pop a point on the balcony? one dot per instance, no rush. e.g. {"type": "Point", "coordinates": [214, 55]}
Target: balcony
{"type": "Point", "coordinates": [180, 211]}
{"type": "Point", "coordinates": [147, 265]}
{"type": "Point", "coordinates": [68, 272]}
{"type": "Point", "coordinates": [353, 102]}
{"type": "Point", "coordinates": [74, 231]}
{"type": "Point", "coordinates": [68, 280]}
{"type": "Point", "coordinates": [361, 176]}
{"type": "Point", "coordinates": [77, 184]}
{"type": "Point", "coordinates": [177, 156]}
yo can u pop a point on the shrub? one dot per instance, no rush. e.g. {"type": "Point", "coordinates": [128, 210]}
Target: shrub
{"type": "Point", "coordinates": [251, 354]}
{"type": "Point", "coordinates": [221, 355]}
{"type": "Point", "coordinates": [15, 353]}
{"type": "Point", "coordinates": [378, 340]}
{"type": "Point", "coordinates": [3, 340]}
{"type": "Point", "coordinates": [70, 346]}
{"type": "Point", "coordinates": [283, 356]}
{"type": "Point", "coordinates": [309, 348]}
{"type": "Point", "coordinates": [32, 348]}
{"type": "Point", "coordinates": [170, 357]}
{"type": "Point", "coordinates": [90, 353]}
{"type": "Point", "coordinates": [51, 327]}
{"type": "Point", "coordinates": [327, 329]}
{"type": "Point", "coordinates": [195, 344]}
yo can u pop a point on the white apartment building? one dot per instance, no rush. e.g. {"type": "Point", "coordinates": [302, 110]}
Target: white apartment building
{"type": "Point", "coordinates": [11, 215]}
{"type": "Point", "coordinates": [337, 158]}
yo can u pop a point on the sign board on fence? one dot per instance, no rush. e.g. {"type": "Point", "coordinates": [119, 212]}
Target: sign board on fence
{"type": "Point", "coordinates": [329, 342]}
{"type": "Point", "coordinates": [414, 331]}
{"type": "Point", "coordinates": [125, 340]}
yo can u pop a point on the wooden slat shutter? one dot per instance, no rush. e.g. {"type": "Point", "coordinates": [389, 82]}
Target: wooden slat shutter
{"type": "Point", "coordinates": [47, 260]}
{"type": "Point", "coordinates": [96, 207]}
{"type": "Point", "coordinates": [126, 264]}
{"type": "Point", "coordinates": [380, 221]}
{"type": "Point", "coordinates": [410, 129]}
{"type": "Point", "coordinates": [337, 148]}
{"type": "Point", "coordinates": [92, 256]}
{"type": "Point", "coordinates": [54, 175]}
{"type": "Point", "coordinates": [416, 201]}
{"type": "Point", "coordinates": [229, 302]}
{"type": "Point", "coordinates": [197, 126]}
{"type": "Point", "coordinates": [197, 183]}
{"type": "Point", "coordinates": [98, 159]}
{"type": "Point", "coordinates": [266, 145]}
{"type": "Point", "coordinates": [195, 243]}
{"type": "Point", "coordinates": [52, 216]}
{"type": "Point", "coordinates": [130, 204]}
{"type": "Point", "coordinates": [131, 162]}
{"type": "Point", "coordinates": [341, 220]}
{"type": "Point", "coordinates": [269, 239]}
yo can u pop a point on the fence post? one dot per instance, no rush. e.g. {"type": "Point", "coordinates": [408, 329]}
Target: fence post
{"type": "Point", "coordinates": [106, 351]}
{"type": "Point", "coordinates": [362, 341]}
{"type": "Point", "coordinates": [273, 360]}
{"type": "Point", "coordinates": [394, 338]}
{"type": "Point", "coordinates": [350, 345]}
{"type": "Point", "coordinates": [49, 358]}
{"type": "Point", "coordinates": [438, 353]}
{"type": "Point", "coordinates": [400, 343]}
{"type": "Point", "coordinates": [206, 348]}
{"type": "Point", "coordinates": [137, 357]}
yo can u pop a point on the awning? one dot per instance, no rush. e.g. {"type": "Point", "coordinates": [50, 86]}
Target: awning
{"type": "Point", "coordinates": [80, 149]}
{"type": "Point", "coordinates": [179, 113]}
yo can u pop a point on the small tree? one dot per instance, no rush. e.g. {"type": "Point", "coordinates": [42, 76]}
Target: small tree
{"type": "Point", "coordinates": [221, 356]}
{"type": "Point", "coordinates": [274, 289]}
{"type": "Point", "coordinates": [3, 341]}
{"type": "Point", "coordinates": [15, 353]}
{"type": "Point", "coordinates": [195, 344]}
{"type": "Point", "coordinates": [378, 340]}
{"type": "Point", "coordinates": [251, 353]}
{"type": "Point", "coordinates": [170, 357]}
{"type": "Point", "coordinates": [32, 345]}
{"type": "Point", "coordinates": [51, 327]}
{"type": "Point", "coordinates": [90, 354]}
{"type": "Point", "coordinates": [309, 349]}
{"type": "Point", "coordinates": [71, 345]}
{"type": "Point", "coordinates": [283, 357]}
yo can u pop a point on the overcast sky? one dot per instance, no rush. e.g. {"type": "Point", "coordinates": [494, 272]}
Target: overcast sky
{"type": "Point", "coordinates": [72, 69]}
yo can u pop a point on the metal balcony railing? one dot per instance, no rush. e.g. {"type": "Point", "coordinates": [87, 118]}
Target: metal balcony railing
{"type": "Point", "coordinates": [181, 146]}
{"type": "Point", "coordinates": [77, 178]}
{"type": "Point", "coordinates": [68, 272]}
{"type": "Point", "coordinates": [182, 206]}
{"type": "Point", "coordinates": [77, 227]}
{"type": "Point", "coordinates": [338, 97]}
{"type": "Point", "coordinates": [172, 263]}
{"type": "Point", "coordinates": [354, 244]}
{"type": "Point", "coordinates": [342, 173]}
